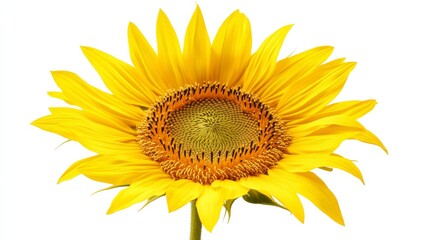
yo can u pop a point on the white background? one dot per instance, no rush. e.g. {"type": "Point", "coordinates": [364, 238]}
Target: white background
{"type": "Point", "coordinates": [388, 39]}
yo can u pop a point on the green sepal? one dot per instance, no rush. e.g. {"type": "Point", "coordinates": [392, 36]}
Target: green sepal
{"type": "Point", "coordinates": [111, 187]}
{"type": "Point", "coordinates": [326, 169]}
{"type": "Point", "coordinates": [256, 197]}
{"type": "Point", "coordinates": [151, 199]}
{"type": "Point", "coordinates": [228, 205]}
{"type": "Point", "coordinates": [66, 141]}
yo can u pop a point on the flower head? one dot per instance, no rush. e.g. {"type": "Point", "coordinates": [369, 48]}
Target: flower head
{"type": "Point", "coordinates": [213, 122]}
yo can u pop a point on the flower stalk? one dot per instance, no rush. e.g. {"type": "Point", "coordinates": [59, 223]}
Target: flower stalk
{"type": "Point", "coordinates": [195, 223]}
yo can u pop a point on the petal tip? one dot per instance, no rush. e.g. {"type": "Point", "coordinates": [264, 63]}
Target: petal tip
{"type": "Point", "coordinates": [197, 7]}
{"type": "Point", "coordinates": [131, 27]}
{"type": "Point", "coordinates": [326, 48]}
{"type": "Point", "coordinates": [87, 51]}
{"type": "Point", "coordinates": [340, 221]}
{"type": "Point", "coordinates": [351, 65]}
{"type": "Point", "coordinates": [34, 123]}
{"type": "Point", "coordinates": [161, 13]}
{"type": "Point", "coordinates": [38, 122]}
{"type": "Point", "coordinates": [60, 74]}
{"type": "Point", "coordinates": [112, 209]}
{"type": "Point", "coordinates": [84, 48]}
{"type": "Point", "coordinates": [300, 218]}
{"type": "Point", "coordinates": [61, 180]}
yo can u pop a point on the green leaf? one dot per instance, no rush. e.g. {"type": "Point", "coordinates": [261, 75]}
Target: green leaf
{"type": "Point", "coordinates": [256, 197]}
{"type": "Point", "coordinates": [227, 206]}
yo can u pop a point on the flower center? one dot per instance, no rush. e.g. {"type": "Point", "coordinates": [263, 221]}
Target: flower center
{"type": "Point", "coordinates": [212, 126]}
{"type": "Point", "coordinates": [209, 132]}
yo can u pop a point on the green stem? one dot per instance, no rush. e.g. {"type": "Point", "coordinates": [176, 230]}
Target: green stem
{"type": "Point", "coordinates": [195, 223]}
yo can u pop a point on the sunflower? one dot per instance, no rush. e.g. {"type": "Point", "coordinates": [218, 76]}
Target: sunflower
{"type": "Point", "coordinates": [213, 122]}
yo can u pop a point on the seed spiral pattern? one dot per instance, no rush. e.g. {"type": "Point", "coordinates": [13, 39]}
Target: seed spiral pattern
{"type": "Point", "coordinates": [207, 132]}
{"type": "Point", "coordinates": [212, 125]}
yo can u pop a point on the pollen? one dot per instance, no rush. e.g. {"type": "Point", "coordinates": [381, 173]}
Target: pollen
{"type": "Point", "coordinates": [207, 132]}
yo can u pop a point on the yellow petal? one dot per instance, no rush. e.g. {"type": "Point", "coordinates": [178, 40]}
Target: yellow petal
{"type": "Point", "coordinates": [209, 205]}
{"type": "Point", "coordinates": [74, 170]}
{"type": "Point", "coordinates": [113, 126]}
{"type": "Point", "coordinates": [353, 109]}
{"type": "Point", "coordinates": [153, 185]}
{"type": "Point", "coordinates": [197, 49]}
{"type": "Point", "coordinates": [51, 124]}
{"type": "Point", "coordinates": [96, 102]}
{"type": "Point", "coordinates": [145, 59]}
{"type": "Point", "coordinates": [368, 137]}
{"type": "Point", "coordinates": [181, 192]}
{"type": "Point", "coordinates": [314, 189]}
{"type": "Point", "coordinates": [115, 169]}
{"type": "Point", "coordinates": [61, 96]}
{"type": "Point", "coordinates": [278, 187]}
{"type": "Point", "coordinates": [102, 139]}
{"type": "Point", "coordinates": [323, 144]}
{"type": "Point", "coordinates": [305, 129]}
{"type": "Point", "coordinates": [308, 162]}
{"type": "Point", "coordinates": [263, 61]}
{"type": "Point", "coordinates": [231, 49]}
{"type": "Point", "coordinates": [309, 95]}
{"type": "Point", "coordinates": [297, 66]}
{"type": "Point", "coordinates": [121, 78]}
{"type": "Point", "coordinates": [169, 53]}
{"type": "Point", "coordinates": [291, 69]}
{"type": "Point", "coordinates": [230, 189]}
